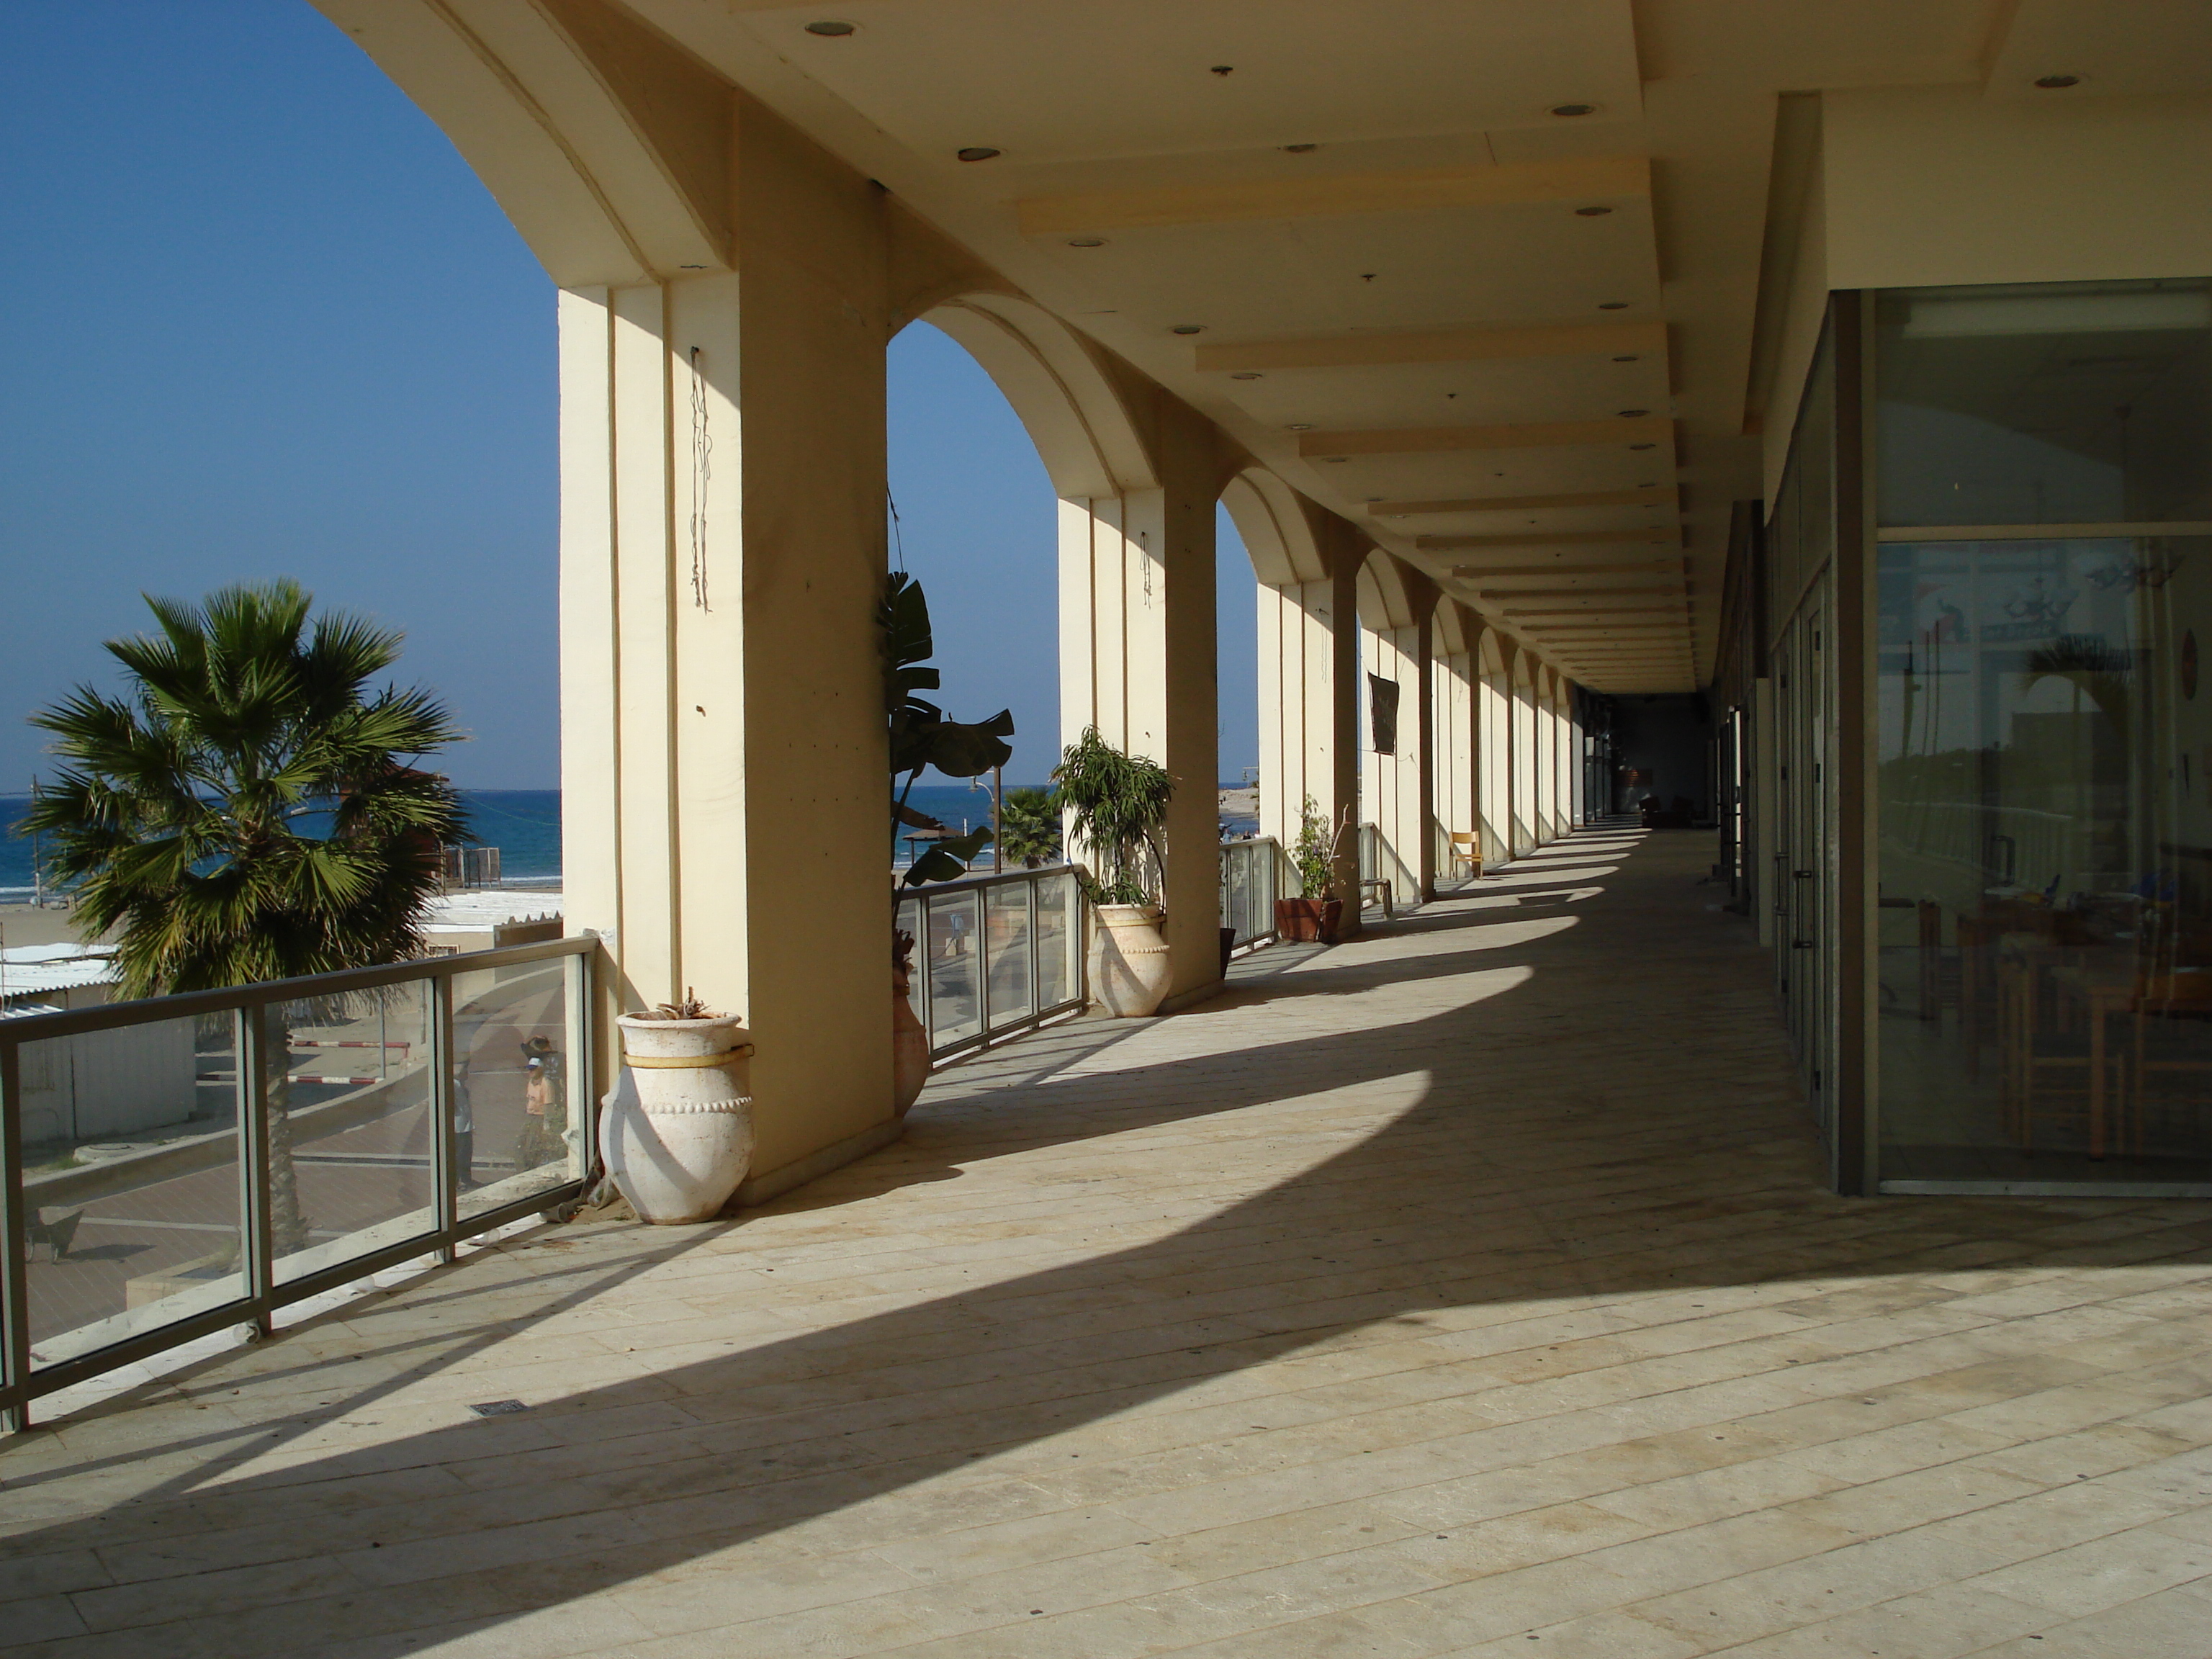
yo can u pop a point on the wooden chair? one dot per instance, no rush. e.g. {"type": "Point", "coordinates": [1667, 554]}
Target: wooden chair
{"type": "Point", "coordinates": [2173, 1037]}
{"type": "Point", "coordinates": [1464, 851]}
{"type": "Point", "coordinates": [2049, 1069]}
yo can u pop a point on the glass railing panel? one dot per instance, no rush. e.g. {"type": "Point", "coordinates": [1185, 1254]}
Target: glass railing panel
{"type": "Point", "coordinates": [131, 1184]}
{"type": "Point", "coordinates": [955, 985]}
{"type": "Point", "coordinates": [907, 919]}
{"type": "Point", "coordinates": [1059, 940]}
{"type": "Point", "coordinates": [351, 1127]}
{"type": "Point", "coordinates": [512, 1084]}
{"type": "Point", "coordinates": [1010, 952]}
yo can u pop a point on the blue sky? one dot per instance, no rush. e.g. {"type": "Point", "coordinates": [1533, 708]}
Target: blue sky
{"type": "Point", "coordinates": [265, 321]}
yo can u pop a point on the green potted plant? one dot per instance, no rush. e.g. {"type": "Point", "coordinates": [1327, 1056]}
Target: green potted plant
{"type": "Point", "coordinates": [1117, 804]}
{"type": "Point", "coordinates": [1316, 916]}
{"type": "Point", "coordinates": [920, 737]}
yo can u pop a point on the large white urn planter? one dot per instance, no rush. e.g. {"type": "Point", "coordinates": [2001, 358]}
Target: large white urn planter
{"type": "Point", "coordinates": [677, 1130]}
{"type": "Point", "coordinates": [1129, 960]}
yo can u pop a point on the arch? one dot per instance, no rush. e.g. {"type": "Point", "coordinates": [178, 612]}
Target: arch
{"type": "Point", "coordinates": [1385, 600]}
{"type": "Point", "coordinates": [1075, 413]}
{"type": "Point", "coordinates": [606, 146]}
{"type": "Point", "coordinates": [1271, 518]}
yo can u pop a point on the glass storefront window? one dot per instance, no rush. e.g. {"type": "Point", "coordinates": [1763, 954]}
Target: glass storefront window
{"type": "Point", "coordinates": [2045, 755]}
{"type": "Point", "coordinates": [2076, 404]}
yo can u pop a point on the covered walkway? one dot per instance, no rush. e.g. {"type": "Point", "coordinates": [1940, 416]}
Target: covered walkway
{"type": "Point", "coordinates": [1466, 1286]}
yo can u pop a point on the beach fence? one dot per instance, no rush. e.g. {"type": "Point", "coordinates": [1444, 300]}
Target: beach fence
{"type": "Point", "coordinates": [465, 868]}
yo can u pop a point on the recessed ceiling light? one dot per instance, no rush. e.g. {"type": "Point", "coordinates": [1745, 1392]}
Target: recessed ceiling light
{"type": "Point", "coordinates": [1299, 149]}
{"type": "Point", "coordinates": [1629, 359]}
{"type": "Point", "coordinates": [1086, 241]}
{"type": "Point", "coordinates": [1188, 328]}
{"type": "Point", "coordinates": [1246, 375]}
{"type": "Point", "coordinates": [1339, 457]}
{"type": "Point", "coordinates": [829, 29]}
{"type": "Point", "coordinates": [1300, 426]}
{"type": "Point", "coordinates": [1633, 414]}
{"type": "Point", "coordinates": [1643, 446]}
{"type": "Point", "coordinates": [1225, 68]}
{"type": "Point", "coordinates": [1574, 109]}
{"type": "Point", "coordinates": [2057, 83]}
{"type": "Point", "coordinates": [1592, 212]}
{"type": "Point", "coordinates": [1607, 305]}
{"type": "Point", "coordinates": [977, 153]}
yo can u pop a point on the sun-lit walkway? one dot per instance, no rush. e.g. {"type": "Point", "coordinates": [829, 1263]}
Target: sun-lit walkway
{"type": "Point", "coordinates": [1464, 1288]}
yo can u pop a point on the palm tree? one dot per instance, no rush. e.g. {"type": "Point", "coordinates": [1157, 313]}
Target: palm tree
{"type": "Point", "coordinates": [242, 812]}
{"type": "Point", "coordinates": [1029, 826]}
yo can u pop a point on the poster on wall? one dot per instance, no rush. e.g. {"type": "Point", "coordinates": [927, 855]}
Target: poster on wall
{"type": "Point", "coordinates": [1382, 712]}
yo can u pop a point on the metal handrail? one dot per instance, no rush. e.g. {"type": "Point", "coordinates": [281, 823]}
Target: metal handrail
{"type": "Point", "coordinates": [990, 1025]}
{"type": "Point", "coordinates": [260, 1294]}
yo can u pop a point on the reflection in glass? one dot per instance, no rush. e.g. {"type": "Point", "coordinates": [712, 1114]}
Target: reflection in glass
{"type": "Point", "coordinates": [516, 1132]}
{"type": "Point", "coordinates": [950, 939]}
{"type": "Point", "coordinates": [131, 1185]}
{"type": "Point", "coordinates": [1006, 916]}
{"type": "Point", "coordinates": [1059, 940]}
{"type": "Point", "coordinates": [2045, 960]}
{"type": "Point", "coordinates": [351, 1125]}
{"type": "Point", "coordinates": [2058, 403]}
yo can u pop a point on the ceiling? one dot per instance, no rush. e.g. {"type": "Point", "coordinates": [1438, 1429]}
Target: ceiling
{"type": "Point", "coordinates": [1481, 274]}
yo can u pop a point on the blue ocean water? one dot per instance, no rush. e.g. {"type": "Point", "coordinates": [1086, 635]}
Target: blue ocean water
{"type": "Point", "coordinates": [525, 824]}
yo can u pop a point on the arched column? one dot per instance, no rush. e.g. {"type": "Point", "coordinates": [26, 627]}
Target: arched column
{"type": "Point", "coordinates": [1521, 751]}
{"type": "Point", "coordinates": [1396, 606]}
{"type": "Point", "coordinates": [1456, 746]}
{"type": "Point", "coordinates": [1308, 562]}
{"type": "Point", "coordinates": [1494, 748]}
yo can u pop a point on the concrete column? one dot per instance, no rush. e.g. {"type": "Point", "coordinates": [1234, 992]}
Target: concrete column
{"type": "Point", "coordinates": [1493, 757]}
{"type": "Point", "coordinates": [722, 547]}
{"type": "Point", "coordinates": [1137, 661]}
{"type": "Point", "coordinates": [1396, 800]}
{"type": "Point", "coordinates": [1309, 708]}
{"type": "Point", "coordinates": [1521, 763]}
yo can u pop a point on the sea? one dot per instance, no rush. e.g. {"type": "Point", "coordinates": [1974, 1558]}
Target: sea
{"type": "Point", "coordinates": [525, 824]}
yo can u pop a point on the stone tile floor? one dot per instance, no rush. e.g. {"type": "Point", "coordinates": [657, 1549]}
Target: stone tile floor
{"type": "Point", "coordinates": [1463, 1289]}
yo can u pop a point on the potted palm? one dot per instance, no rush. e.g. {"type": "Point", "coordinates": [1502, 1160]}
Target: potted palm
{"type": "Point", "coordinates": [1118, 806]}
{"type": "Point", "coordinates": [1317, 914]}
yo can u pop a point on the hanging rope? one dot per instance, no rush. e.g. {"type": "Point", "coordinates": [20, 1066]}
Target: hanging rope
{"type": "Point", "coordinates": [898, 541]}
{"type": "Point", "coordinates": [702, 451]}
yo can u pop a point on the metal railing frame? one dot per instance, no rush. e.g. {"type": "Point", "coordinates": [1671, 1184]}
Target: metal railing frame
{"type": "Point", "coordinates": [262, 1296]}
{"type": "Point", "coordinates": [987, 1032]}
{"type": "Point", "coordinates": [1258, 852]}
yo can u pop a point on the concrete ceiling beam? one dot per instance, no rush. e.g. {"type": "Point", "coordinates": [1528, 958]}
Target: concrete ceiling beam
{"type": "Point", "coordinates": [1669, 537]}
{"type": "Point", "coordinates": [1640, 567]}
{"type": "Point", "coordinates": [1450, 345]}
{"type": "Point", "coordinates": [1659, 495]}
{"type": "Point", "coordinates": [1581, 180]}
{"type": "Point", "coordinates": [1534, 434]}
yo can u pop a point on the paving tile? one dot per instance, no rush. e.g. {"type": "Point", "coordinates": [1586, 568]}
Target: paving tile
{"type": "Point", "coordinates": [1379, 1309]}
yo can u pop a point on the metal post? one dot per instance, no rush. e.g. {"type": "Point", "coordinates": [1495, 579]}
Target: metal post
{"type": "Point", "coordinates": [998, 793]}
{"type": "Point", "coordinates": [14, 1236]}
{"type": "Point", "coordinates": [981, 896]}
{"type": "Point", "coordinates": [249, 1037]}
{"type": "Point", "coordinates": [1036, 975]}
{"type": "Point", "coordinates": [928, 991]}
{"type": "Point", "coordinates": [444, 1142]}
{"type": "Point", "coordinates": [583, 1116]}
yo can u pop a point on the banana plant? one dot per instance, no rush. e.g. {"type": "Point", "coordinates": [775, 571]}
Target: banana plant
{"type": "Point", "coordinates": [921, 737]}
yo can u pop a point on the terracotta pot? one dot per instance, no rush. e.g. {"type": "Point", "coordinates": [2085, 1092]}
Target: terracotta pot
{"type": "Point", "coordinates": [909, 1047]}
{"type": "Point", "coordinates": [1129, 965]}
{"type": "Point", "coordinates": [677, 1130]}
{"type": "Point", "coordinates": [1308, 922]}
